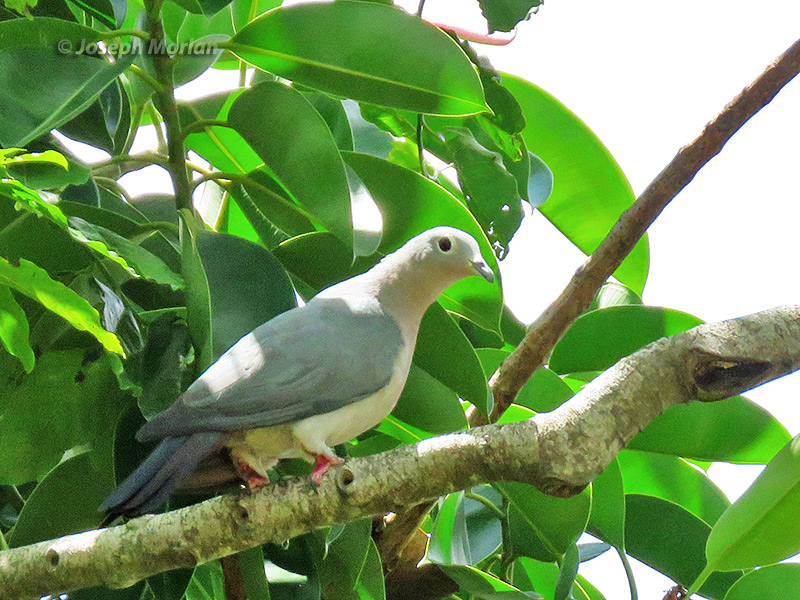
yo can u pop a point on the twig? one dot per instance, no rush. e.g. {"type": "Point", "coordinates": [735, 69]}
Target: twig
{"type": "Point", "coordinates": [545, 332]}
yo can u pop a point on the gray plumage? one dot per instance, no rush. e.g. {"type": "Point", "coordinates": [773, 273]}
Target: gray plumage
{"type": "Point", "coordinates": [307, 380]}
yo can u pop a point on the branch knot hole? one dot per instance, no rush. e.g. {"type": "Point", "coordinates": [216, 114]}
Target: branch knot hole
{"type": "Point", "coordinates": [344, 479]}
{"type": "Point", "coordinates": [52, 558]}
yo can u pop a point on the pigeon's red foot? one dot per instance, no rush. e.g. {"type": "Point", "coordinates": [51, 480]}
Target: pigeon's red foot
{"type": "Point", "coordinates": [324, 463]}
{"type": "Point", "coordinates": [252, 478]}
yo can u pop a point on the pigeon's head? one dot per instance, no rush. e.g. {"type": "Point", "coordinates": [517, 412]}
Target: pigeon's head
{"type": "Point", "coordinates": [449, 253]}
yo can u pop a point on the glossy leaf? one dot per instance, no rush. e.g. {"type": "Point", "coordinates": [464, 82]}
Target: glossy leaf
{"type": "Point", "coordinates": [611, 294]}
{"type": "Point", "coordinates": [761, 527]}
{"type": "Point", "coordinates": [598, 339]}
{"type": "Point", "coordinates": [254, 578]}
{"type": "Point", "coordinates": [566, 574]}
{"type": "Point", "coordinates": [734, 430]}
{"type": "Point", "coordinates": [584, 590]}
{"type": "Point", "coordinates": [445, 352]}
{"type": "Point", "coordinates": [296, 145]}
{"type": "Point", "coordinates": [672, 478]}
{"type": "Point", "coordinates": [31, 104]}
{"type": "Point", "coordinates": [607, 519]}
{"type": "Point", "coordinates": [773, 581]}
{"type": "Point", "coordinates": [64, 502]}
{"type": "Point", "coordinates": [541, 525]}
{"type": "Point", "coordinates": [405, 199]}
{"type": "Point", "coordinates": [247, 285]}
{"type": "Point", "coordinates": [482, 585]}
{"type": "Point", "coordinates": [429, 405]}
{"type": "Point", "coordinates": [370, 584]}
{"type": "Point", "coordinates": [14, 329]}
{"type": "Point", "coordinates": [543, 391]}
{"type": "Point", "coordinates": [34, 282]}
{"type": "Point", "coordinates": [590, 190]}
{"type": "Point", "coordinates": [342, 566]}
{"type": "Point", "coordinates": [490, 190]}
{"type": "Point", "coordinates": [503, 15]}
{"type": "Point", "coordinates": [198, 295]}
{"type": "Point", "coordinates": [449, 538]}
{"type": "Point", "coordinates": [359, 50]}
{"type": "Point", "coordinates": [207, 582]}
{"type": "Point", "coordinates": [75, 400]}
{"type": "Point", "coordinates": [671, 540]}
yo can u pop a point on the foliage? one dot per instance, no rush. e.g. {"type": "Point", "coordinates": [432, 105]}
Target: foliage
{"type": "Point", "coordinates": [111, 305]}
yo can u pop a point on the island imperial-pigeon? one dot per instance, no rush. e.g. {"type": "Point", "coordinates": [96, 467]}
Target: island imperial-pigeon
{"type": "Point", "coordinates": [308, 379]}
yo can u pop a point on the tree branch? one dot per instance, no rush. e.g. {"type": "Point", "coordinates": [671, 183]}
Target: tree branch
{"type": "Point", "coordinates": [574, 300]}
{"type": "Point", "coordinates": [559, 452]}
{"type": "Point", "coordinates": [545, 332]}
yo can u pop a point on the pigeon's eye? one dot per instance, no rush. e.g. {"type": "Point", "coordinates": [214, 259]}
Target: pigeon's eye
{"type": "Point", "coordinates": [445, 244]}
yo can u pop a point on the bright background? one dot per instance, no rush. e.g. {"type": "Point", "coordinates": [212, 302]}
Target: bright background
{"type": "Point", "coordinates": [646, 77]}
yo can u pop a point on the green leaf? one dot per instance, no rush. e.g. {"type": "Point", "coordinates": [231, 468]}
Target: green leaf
{"type": "Point", "coordinates": [600, 338]}
{"type": "Point", "coordinates": [566, 574]}
{"type": "Point", "coordinates": [503, 15]}
{"type": "Point", "coordinates": [207, 582]}
{"type": "Point", "coordinates": [165, 364]}
{"type": "Point", "coordinates": [445, 352]}
{"type": "Point", "coordinates": [483, 585]}
{"type": "Point", "coordinates": [245, 11]}
{"type": "Point", "coordinates": [68, 400]}
{"type": "Point", "coordinates": [541, 525]}
{"type": "Point", "coordinates": [607, 519]}
{"type": "Point", "coordinates": [360, 50]}
{"type": "Point", "coordinates": [734, 430]}
{"type": "Point", "coordinates": [14, 329]}
{"type": "Point", "coordinates": [105, 123]}
{"type": "Point", "coordinates": [774, 581]}
{"type": "Point", "coordinates": [449, 539]}
{"type": "Point", "coordinates": [342, 566]}
{"type": "Point", "coordinates": [530, 574]}
{"type": "Point", "coordinates": [761, 527]}
{"type": "Point", "coordinates": [335, 117]}
{"type": "Point", "coordinates": [590, 190]}
{"type": "Point", "coordinates": [34, 282]}
{"type": "Point", "coordinates": [370, 584]}
{"type": "Point", "coordinates": [490, 190]}
{"type": "Point", "coordinates": [672, 478]}
{"type": "Point", "coordinates": [143, 263]}
{"type": "Point", "coordinates": [64, 502]}
{"type": "Point", "coordinates": [671, 540]}
{"type": "Point", "coordinates": [411, 204]}
{"type": "Point", "coordinates": [254, 578]}
{"type": "Point", "coordinates": [540, 181]}
{"type": "Point", "coordinates": [247, 285]}
{"type": "Point", "coordinates": [584, 590]}
{"type": "Point", "coordinates": [429, 405]}
{"type": "Point", "coordinates": [296, 145]}
{"type": "Point", "coordinates": [198, 295]}
{"type": "Point", "coordinates": [223, 147]}
{"type": "Point", "coordinates": [543, 391]}
{"type": "Point", "coordinates": [611, 294]}
{"type": "Point", "coordinates": [170, 585]}
{"type": "Point", "coordinates": [31, 102]}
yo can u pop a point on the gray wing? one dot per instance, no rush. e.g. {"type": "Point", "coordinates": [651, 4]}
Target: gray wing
{"type": "Point", "coordinates": [306, 361]}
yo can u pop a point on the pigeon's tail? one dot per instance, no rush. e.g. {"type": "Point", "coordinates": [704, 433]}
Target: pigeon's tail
{"type": "Point", "coordinates": [149, 486]}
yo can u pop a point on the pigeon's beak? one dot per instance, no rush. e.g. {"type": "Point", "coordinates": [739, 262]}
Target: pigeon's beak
{"type": "Point", "coordinates": [483, 270]}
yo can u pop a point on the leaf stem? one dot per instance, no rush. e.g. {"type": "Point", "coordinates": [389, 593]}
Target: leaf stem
{"type": "Point", "coordinates": [115, 33]}
{"type": "Point", "coordinates": [146, 77]}
{"type": "Point", "coordinates": [486, 502]}
{"type": "Point", "coordinates": [626, 564]}
{"type": "Point", "coordinates": [136, 120]}
{"type": "Point", "coordinates": [156, 119]}
{"type": "Point", "coordinates": [203, 124]}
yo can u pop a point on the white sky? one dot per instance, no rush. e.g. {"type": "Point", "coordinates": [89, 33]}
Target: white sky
{"type": "Point", "coordinates": [646, 77]}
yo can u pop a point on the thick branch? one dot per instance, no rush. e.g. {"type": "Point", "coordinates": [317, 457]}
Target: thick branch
{"type": "Point", "coordinates": [558, 452]}
{"type": "Point", "coordinates": [545, 332]}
